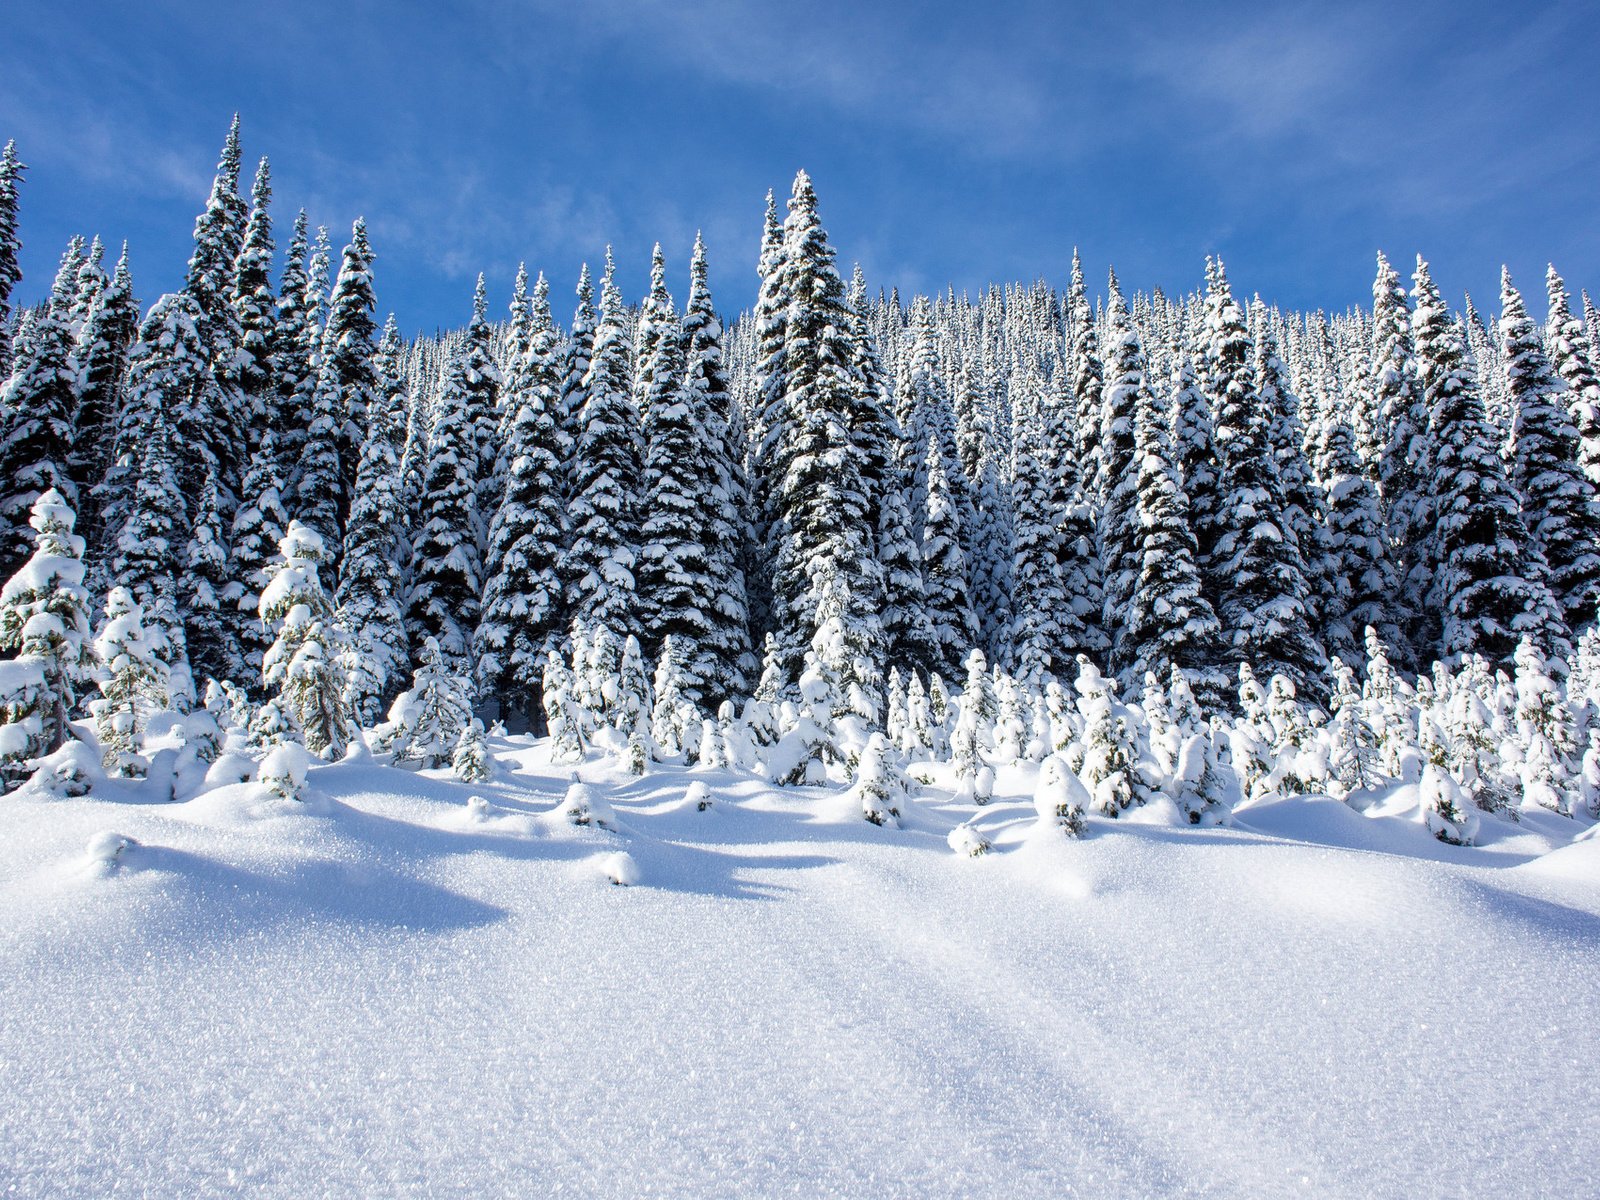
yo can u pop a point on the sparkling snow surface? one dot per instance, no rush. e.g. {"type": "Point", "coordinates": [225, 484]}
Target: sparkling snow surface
{"type": "Point", "coordinates": [391, 990]}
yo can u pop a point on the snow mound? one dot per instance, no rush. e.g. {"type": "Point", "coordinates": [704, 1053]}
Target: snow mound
{"type": "Point", "coordinates": [618, 867]}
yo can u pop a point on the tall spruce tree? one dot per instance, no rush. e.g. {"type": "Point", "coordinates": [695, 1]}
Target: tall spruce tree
{"type": "Point", "coordinates": [1404, 479]}
{"type": "Point", "coordinates": [606, 484]}
{"type": "Point", "coordinates": [523, 606]}
{"type": "Point", "coordinates": [447, 584]}
{"type": "Point", "coordinates": [291, 369]}
{"type": "Point", "coordinates": [1572, 354]}
{"type": "Point", "coordinates": [11, 170]}
{"type": "Point", "coordinates": [729, 662]}
{"type": "Point", "coordinates": [1558, 500]}
{"type": "Point", "coordinates": [1121, 552]}
{"type": "Point", "coordinates": [256, 310]}
{"type": "Point", "coordinates": [1263, 601]}
{"type": "Point", "coordinates": [349, 350]}
{"type": "Point", "coordinates": [36, 406]}
{"type": "Point", "coordinates": [1037, 598]}
{"type": "Point", "coordinates": [824, 505]}
{"type": "Point", "coordinates": [209, 633]}
{"type": "Point", "coordinates": [1171, 626]}
{"type": "Point", "coordinates": [1483, 587]}
{"type": "Point", "coordinates": [107, 337]}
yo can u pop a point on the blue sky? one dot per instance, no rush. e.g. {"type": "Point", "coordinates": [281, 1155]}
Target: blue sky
{"type": "Point", "coordinates": [950, 143]}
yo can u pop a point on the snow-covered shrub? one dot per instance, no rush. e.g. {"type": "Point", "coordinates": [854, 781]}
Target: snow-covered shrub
{"type": "Point", "coordinates": [303, 665]}
{"type": "Point", "coordinates": [133, 685]}
{"type": "Point", "coordinates": [1445, 807]}
{"type": "Point", "coordinates": [1060, 798]}
{"type": "Point", "coordinates": [582, 805]}
{"type": "Point", "coordinates": [426, 720]}
{"type": "Point", "coordinates": [967, 841]}
{"type": "Point", "coordinates": [881, 784]}
{"type": "Point", "coordinates": [471, 762]}
{"type": "Point", "coordinates": [283, 770]}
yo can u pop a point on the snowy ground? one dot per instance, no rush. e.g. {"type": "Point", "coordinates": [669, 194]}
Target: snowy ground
{"type": "Point", "coordinates": [382, 993]}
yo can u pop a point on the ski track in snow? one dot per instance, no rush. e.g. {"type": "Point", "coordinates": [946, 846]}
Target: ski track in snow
{"type": "Point", "coordinates": [382, 993]}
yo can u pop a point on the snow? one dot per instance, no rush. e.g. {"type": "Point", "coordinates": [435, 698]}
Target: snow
{"type": "Point", "coordinates": [418, 986]}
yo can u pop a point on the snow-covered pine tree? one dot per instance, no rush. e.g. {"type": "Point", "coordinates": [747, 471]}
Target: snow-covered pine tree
{"type": "Point", "coordinates": [575, 360]}
{"type": "Point", "coordinates": [133, 684]}
{"type": "Point", "coordinates": [603, 557]}
{"type": "Point", "coordinates": [824, 503]}
{"type": "Point", "coordinates": [726, 492]}
{"type": "Point", "coordinates": [36, 406]}
{"type": "Point", "coordinates": [1572, 355]}
{"type": "Point", "coordinates": [255, 307]}
{"type": "Point", "coordinates": [368, 596]}
{"type": "Point", "coordinates": [259, 524]}
{"type": "Point", "coordinates": [44, 626]}
{"type": "Point", "coordinates": [1200, 473]}
{"type": "Point", "coordinates": [210, 635]}
{"type": "Point", "coordinates": [1362, 588]}
{"type": "Point", "coordinates": [1486, 590]}
{"type": "Point", "coordinates": [481, 384]}
{"type": "Point", "coordinates": [1038, 602]}
{"type": "Point", "coordinates": [1088, 376]}
{"type": "Point", "coordinates": [1405, 472]}
{"type": "Point", "coordinates": [1304, 508]}
{"type": "Point", "coordinates": [214, 430]}
{"type": "Point", "coordinates": [447, 584]}
{"type": "Point", "coordinates": [293, 372]}
{"type": "Point", "coordinates": [523, 607]}
{"type": "Point", "coordinates": [1263, 602]}
{"type": "Point", "coordinates": [1121, 556]}
{"type": "Point", "coordinates": [673, 565]}
{"type": "Point", "coordinates": [102, 361]}
{"type": "Point", "coordinates": [946, 590]}
{"type": "Point", "coordinates": [303, 665]}
{"type": "Point", "coordinates": [1170, 626]}
{"type": "Point", "coordinates": [147, 559]}
{"type": "Point", "coordinates": [11, 170]}
{"type": "Point", "coordinates": [349, 350]}
{"type": "Point", "coordinates": [426, 720]}
{"type": "Point", "coordinates": [1558, 499]}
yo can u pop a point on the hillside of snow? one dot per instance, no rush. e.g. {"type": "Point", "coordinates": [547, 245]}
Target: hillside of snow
{"type": "Point", "coordinates": [409, 985]}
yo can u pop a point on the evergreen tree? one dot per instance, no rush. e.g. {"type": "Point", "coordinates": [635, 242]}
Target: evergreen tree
{"type": "Point", "coordinates": [44, 624]}
{"type": "Point", "coordinates": [213, 435]}
{"type": "Point", "coordinates": [107, 337]}
{"type": "Point", "coordinates": [256, 310]}
{"type": "Point", "coordinates": [1263, 603]}
{"type": "Point", "coordinates": [367, 597]}
{"type": "Point", "coordinates": [724, 495]}
{"type": "Point", "coordinates": [211, 637]}
{"type": "Point", "coordinates": [1038, 601]}
{"type": "Point", "coordinates": [523, 610]}
{"type": "Point", "coordinates": [823, 506]}
{"type": "Point", "coordinates": [1170, 626]}
{"type": "Point", "coordinates": [133, 684]}
{"type": "Point", "coordinates": [259, 524]}
{"type": "Point", "coordinates": [606, 486]}
{"type": "Point", "coordinates": [1362, 590]}
{"type": "Point", "coordinates": [577, 356]}
{"type": "Point", "coordinates": [146, 560]}
{"type": "Point", "coordinates": [1200, 474]}
{"type": "Point", "coordinates": [1483, 587]}
{"type": "Point", "coordinates": [1572, 355]}
{"type": "Point", "coordinates": [1405, 473]}
{"type": "Point", "coordinates": [1558, 500]}
{"type": "Point", "coordinates": [11, 170]}
{"type": "Point", "coordinates": [303, 664]}
{"type": "Point", "coordinates": [447, 585]}
{"type": "Point", "coordinates": [293, 373]}
{"type": "Point", "coordinates": [36, 406]}
{"type": "Point", "coordinates": [952, 625]}
{"type": "Point", "coordinates": [1121, 551]}
{"type": "Point", "coordinates": [474, 372]}
{"type": "Point", "coordinates": [349, 351]}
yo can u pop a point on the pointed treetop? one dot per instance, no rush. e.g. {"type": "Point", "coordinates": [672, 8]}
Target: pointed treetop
{"type": "Point", "coordinates": [480, 302]}
{"type": "Point", "coordinates": [519, 291]}
{"type": "Point", "coordinates": [658, 274]}
{"type": "Point", "coordinates": [585, 287]}
{"type": "Point", "coordinates": [261, 189]}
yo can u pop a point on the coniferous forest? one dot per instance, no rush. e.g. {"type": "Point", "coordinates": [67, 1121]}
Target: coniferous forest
{"type": "Point", "coordinates": [1190, 547]}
